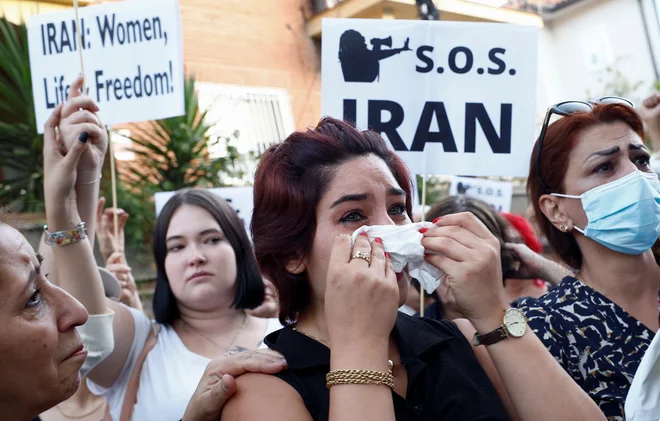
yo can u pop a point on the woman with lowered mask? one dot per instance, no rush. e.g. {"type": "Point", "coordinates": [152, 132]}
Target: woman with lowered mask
{"type": "Point", "coordinates": [598, 203]}
{"type": "Point", "coordinates": [350, 353]}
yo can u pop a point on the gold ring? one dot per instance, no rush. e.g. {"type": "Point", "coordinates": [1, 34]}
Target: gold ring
{"type": "Point", "coordinates": [361, 255]}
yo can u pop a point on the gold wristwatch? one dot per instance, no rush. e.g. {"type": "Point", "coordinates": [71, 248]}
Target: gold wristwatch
{"type": "Point", "coordinates": [514, 324]}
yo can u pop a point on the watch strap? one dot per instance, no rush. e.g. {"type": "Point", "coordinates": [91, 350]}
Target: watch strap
{"type": "Point", "coordinates": [490, 338]}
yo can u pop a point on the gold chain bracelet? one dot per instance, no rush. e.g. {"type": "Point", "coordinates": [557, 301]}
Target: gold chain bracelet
{"type": "Point", "coordinates": [354, 376]}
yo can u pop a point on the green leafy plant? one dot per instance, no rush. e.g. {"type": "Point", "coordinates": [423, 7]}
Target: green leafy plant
{"type": "Point", "coordinates": [21, 163]}
{"type": "Point", "coordinates": [616, 83]}
{"type": "Point", "coordinates": [173, 154]}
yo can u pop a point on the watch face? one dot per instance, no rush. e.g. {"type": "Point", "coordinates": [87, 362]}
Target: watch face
{"type": "Point", "coordinates": [515, 322]}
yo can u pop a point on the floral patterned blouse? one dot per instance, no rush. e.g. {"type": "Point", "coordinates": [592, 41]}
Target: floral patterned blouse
{"type": "Point", "coordinates": [597, 342]}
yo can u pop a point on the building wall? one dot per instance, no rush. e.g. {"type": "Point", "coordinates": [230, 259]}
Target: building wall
{"type": "Point", "coordinates": [260, 43]}
{"type": "Point", "coordinates": [581, 42]}
{"type": "Point", "coordinates": [255, 43]}
{"type": "Point", "coordinates": [20, 10]}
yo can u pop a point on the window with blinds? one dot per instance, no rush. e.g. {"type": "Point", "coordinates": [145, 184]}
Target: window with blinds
{"type": "Point", "coordinates": [253, 117]}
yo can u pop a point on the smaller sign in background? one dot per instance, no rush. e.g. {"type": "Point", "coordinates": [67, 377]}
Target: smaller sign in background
{"type": "Point", "coordinates": [498, 194]}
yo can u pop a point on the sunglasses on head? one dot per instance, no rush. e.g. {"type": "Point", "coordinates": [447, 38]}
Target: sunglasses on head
{"type": "Point", "coordinates": [567, 108]}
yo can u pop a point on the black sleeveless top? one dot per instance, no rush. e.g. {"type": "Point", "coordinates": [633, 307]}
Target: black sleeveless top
{"type": "Point", "coordinates": [445, 380]}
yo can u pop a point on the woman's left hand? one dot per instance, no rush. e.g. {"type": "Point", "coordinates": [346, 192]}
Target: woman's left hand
{"type": "Point", "coordinates": [469, 255]}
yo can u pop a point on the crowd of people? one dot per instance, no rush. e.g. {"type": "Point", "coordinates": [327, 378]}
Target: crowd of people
{"type": "Point", "coordinates": [539, 318]}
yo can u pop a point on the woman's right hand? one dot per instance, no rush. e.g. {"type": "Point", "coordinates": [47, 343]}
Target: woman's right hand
{"type": "Point", "coordinates": [469, 256]}
{"type": "Point", "coordinates": [531, 263]}
{"type": "Point", "coordinates": [218, 383]}
{"type": "Point", "coordinates": [117, 265]}
{"type": "Point", "coordinates": [361, 298]}
{"type": "Point", "coordinates": [105, 231]}
{"type": "Point", "coordinates": [534, 265]}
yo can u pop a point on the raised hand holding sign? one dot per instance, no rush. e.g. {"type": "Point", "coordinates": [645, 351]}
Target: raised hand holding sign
{"type": "Point", "coordinates": [79, 114]}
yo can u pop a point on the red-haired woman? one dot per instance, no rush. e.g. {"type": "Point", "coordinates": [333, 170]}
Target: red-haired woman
{"type": "Point", "coordinates": [339, 301]}
{"type": "Point", "coordinates": [598, 203]}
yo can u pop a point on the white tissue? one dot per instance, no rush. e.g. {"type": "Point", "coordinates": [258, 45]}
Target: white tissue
{"type": "Point", "coordinates": [404, 244]}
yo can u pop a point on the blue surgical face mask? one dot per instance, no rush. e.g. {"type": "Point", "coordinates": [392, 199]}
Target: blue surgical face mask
{"type": "Point", "coordinates": [623, 215]}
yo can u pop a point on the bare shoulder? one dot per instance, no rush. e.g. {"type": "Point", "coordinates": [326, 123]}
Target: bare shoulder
{"type": "Point", "coordinates": [263, 396]}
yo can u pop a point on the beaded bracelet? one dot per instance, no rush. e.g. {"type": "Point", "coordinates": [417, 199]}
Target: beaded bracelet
{"type": "Point", "coordinates": [63, 238]}
{"type": "Point", "coordinates": [336, 377]}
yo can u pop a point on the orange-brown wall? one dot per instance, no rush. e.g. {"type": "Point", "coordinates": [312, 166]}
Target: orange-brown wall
{"type": "Point", "coordinates": [255, 43]}
{"type": "Point", "coordinates": [241, 42]}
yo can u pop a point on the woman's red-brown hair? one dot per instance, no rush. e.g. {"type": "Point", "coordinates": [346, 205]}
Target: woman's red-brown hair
{"type": "Point", "coordinates": [290, 181]}
{"type": "Point", "coordinates": [560, 140]}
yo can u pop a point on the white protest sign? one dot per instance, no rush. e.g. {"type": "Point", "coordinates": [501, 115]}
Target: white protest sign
{"type": "Point", "coordinates": [132, 53]}
{"type": "Point", "coordinates": [240, 198]}
{"type": "Point", "coordinates": [497, 194]}
{"type": "Point", "coordinates": [451, 97]}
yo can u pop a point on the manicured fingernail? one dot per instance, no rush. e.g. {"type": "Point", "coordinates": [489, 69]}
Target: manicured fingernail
{"type": "Point", "coordinates": [423, 230]}
{"type": "Point", "coordinates": [364, 234]}
{"type": "Point", "coordinates": [378, 240]}
{"type": "Point", "coordinates": [437, 219]}
{"type": "Point", "coordinates": [96, 107]}
{"type": "Point", "coordinates": [387, 255]}
{"type": "Point", "coordinates": [83, 137]}
{"type": "Point", "coordinates": [426, 255]}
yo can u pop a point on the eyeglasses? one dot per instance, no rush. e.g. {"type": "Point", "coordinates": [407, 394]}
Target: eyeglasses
{"type": "Point", "coordinates": [567, 108]}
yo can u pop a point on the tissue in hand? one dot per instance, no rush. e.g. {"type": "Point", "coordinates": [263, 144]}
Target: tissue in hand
{"type": "Point", "coordinates": [404, 244]}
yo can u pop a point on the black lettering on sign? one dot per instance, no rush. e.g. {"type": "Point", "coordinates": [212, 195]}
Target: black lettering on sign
{"type": "Point", "coordinates": [64, 39]}
{"type": "Point", "coordinates": [107, 29]}
{"type": "Point", "coordinates": [129, 32]}
{"type": "Point", "coordinates": [428, 61]}
{"type": "Point", "coordinates": [501, 66]}
{"type": "Point", "coordinates": [350, 111]}
{"type": "Point", "coordinates": [134, 28]}
{"type": "Point", "coordinates": [148, 85]}
{"type": "Point", "coordinates": [444, 134]}
{"type": "Point", "coordinates": [127, 88]}
{"type": "Point", "coordinates": [146, 25]}
{"type": "Point", "coordinates": [59, 91]}
{"type": "Point", "coordinates": [375, 122]}
{"type": "Point", "coordinates": [469, 60]}
{"type": "Point", "coordinates": [52, 33]}
{"type": "Point", "coordinates": [477, 112]}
